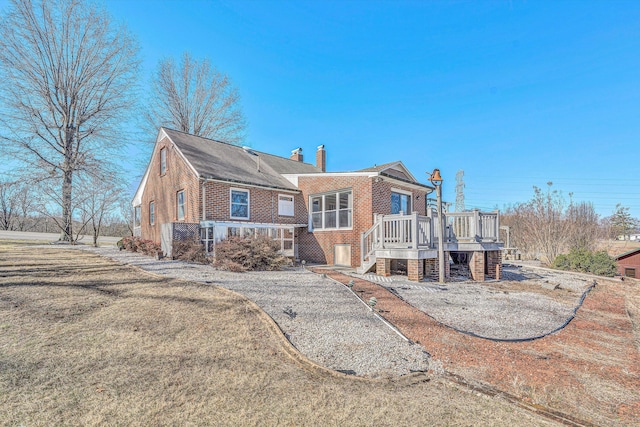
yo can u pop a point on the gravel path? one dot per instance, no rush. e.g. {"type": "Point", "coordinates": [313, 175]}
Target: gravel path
{"type": "Point", "coordinates": [321, 318]}
{"type": "Point", "coordinates": [528, 303]}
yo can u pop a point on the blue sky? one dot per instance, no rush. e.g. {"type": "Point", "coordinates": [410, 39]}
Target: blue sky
{"type": "Point", "coordinates": [514, 93]}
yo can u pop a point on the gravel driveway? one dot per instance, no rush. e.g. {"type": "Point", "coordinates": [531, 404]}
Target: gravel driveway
{"type": "Point", "coordinates": [326, 322]}
{"type": "Point", "coordinates": [528, 303]}
{"type": "Point", "coordinates": [323, 319]}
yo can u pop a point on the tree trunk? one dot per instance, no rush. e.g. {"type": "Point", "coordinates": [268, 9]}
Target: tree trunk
{"type": "Point", "coordinates": [67, 229]}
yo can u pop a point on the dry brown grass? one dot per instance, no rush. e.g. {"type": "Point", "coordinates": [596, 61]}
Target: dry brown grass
{"type": "Point", "coordinates": [87, 341]}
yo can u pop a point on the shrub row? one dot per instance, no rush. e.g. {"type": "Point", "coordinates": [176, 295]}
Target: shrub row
{"type": "Point", "coordinates": [584, 261]}
{"type": "Point", "coordinates": [137, 244]}
{"type": "Point", "coordinates": [236, 254]}
{"type": "Point", "coordinates": [242, 254]}
{"type": "Point", "coordinates": [190, 250]}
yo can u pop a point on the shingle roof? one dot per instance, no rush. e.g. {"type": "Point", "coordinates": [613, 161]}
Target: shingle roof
{"type": "Point", "coordinates": [632, 251]}
{"type": "Point", "coordinates": [378, 168]}
{"type": "Point", "coordinates": [226, 162]}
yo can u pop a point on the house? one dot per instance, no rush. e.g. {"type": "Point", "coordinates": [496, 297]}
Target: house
{"type": "Point", "coordinates": [629, 263]}
{"type": "Point", "coordinates": [374, 218]}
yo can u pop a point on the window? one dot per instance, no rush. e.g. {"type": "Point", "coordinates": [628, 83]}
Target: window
{"type": "Point", "coordinates": [152, 213]}
{"type": "Point", "coordinates": [332, 210]}
{"type": "Point", "coordinates": [163, 161]}
{"type": "Point", "coordinates": [239, 204]}
{"type": "Point", "coordinates": [136, 216]}
{"type": "Point", "coordinates": [285, 205]}
{"type": "Point", "coordinates": [180, 204]}
{"type": "Point", "coordinates": [630, 272]}
{"type": "Point", "coordinates": [400, 202]}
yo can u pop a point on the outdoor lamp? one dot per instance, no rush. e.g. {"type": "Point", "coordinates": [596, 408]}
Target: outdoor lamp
{"type": "Point", "coordinates": [435, 177]}
{"type": "Point", "coordinates": [436, 180]}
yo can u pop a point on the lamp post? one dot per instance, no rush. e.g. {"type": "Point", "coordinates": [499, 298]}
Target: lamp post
{"type": "Point", "coordinates": [436, 180]}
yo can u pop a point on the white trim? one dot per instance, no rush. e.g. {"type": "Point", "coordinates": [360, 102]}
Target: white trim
{"type": "Point", "coordinates": [152, 203]}
{"type": "Point", "coordinates": [211, 223]}
{"type": "Point", "coordinates": [337, 210]}
{"type": "Point", "coordinates": [244, 190]}
{"type": "Point", "coordinates": [184, 205]}
{"type": "Point", "coordinates": [401, 191]}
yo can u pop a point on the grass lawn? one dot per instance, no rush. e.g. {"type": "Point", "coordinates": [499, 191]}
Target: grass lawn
{"type": "Point", "coordinates": [87, 341]}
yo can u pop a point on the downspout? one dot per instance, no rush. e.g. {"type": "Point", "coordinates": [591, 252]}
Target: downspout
{"type": "Point", "coordinates": [272, 213]}
{"type": "Point", "coordinates": [204, 204]}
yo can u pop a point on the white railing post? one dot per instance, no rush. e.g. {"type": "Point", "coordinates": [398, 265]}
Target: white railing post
{"type": "Point", "coordinates": [414, 230]}
{"type": "Point", "coordinates": [475, 227]}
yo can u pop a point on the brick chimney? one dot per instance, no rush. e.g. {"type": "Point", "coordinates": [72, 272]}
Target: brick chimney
{"type": "Point", "coordinates": [296, 155]}
{"type": "Point", "coordinates": [321, 158]}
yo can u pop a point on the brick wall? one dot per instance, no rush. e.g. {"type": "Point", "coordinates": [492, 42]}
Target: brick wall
{"type": "Point", "coordinates": [431, 269]}
{"type": "Point", "coordinates": [318, 246]}
{"type": "Point", "coordinates": [494, 265]}
{"type": "Point", "coordinates": [369, 197]}
{"type": "Point", "coordinates": [477, 266]}
{"type": "Point", "coordinates": [163, 189]}
{"type": "Point", "coordinates": [263, 204]}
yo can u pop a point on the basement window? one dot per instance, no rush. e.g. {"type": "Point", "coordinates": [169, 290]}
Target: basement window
{"type": "Point", "coordinates": [630, 272]}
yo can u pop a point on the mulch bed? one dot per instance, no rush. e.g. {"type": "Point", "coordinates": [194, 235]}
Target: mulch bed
{"type": "Point", "coordinates": [590, 369]}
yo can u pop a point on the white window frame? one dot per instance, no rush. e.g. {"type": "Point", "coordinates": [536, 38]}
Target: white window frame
{"type": "Point", "coordinates": [406, 193]}
{"type": "Point", "coordinates": [286, 207]}
{"type": "Point", "coordinates": [337, 211]}
{"type": "Point", "coordinates": [163, 160]}
{"type": "Point", "coordinates": [183, 205]}
{"type": "Point", "coordinates": [242, 190]}
{"type": "Point", "coordinates": [152, 213]}
{"type": "Point", "coordinates": [137, 210]}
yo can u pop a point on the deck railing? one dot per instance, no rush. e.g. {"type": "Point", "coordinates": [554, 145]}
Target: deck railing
{"type": "Point", "coordinates": [419, 232]}
{"type": "Point", "coordinates": [474, 226]}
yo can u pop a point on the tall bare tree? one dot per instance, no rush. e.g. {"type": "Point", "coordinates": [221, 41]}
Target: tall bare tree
{"type": "Point", "coordinates": [196, 98]}
{"type": "Point", "coordinates": [68, 74]}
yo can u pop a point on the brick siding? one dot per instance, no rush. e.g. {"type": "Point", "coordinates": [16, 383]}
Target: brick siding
{"type": "Point", "coordinates": [163, 189]}
{"type": "Point", "coordinates": [369, 197]}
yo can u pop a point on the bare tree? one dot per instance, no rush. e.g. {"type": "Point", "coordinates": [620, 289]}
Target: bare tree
{"type": "Point", "coordinates": [68, 74]}
{"type": "Point", "coordinates": [8, 204]}
{"type": "Point", "coordinates": [196, 98]}
{"type": "Point", "coordinates": [547, 226]}
{"type": "Point", "coordinates": [99, 202]}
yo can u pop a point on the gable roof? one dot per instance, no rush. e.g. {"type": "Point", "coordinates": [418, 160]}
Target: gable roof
{"type": "Point", "coordinates": [393, 169]}
{"type": "Point", "coordinates": [221, 161]}
{"type": "Point", "coordinates": [631, 252]}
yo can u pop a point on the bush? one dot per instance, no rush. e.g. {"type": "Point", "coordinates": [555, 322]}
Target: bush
{"type": "Point", "coordinates": [137, 244]}
{"type": "Point", "coordinates": [242, 254]}
{"type": "Point", "coordinates": [584, 261]}
{"type": "Point", "coordinates": [191, 250]}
